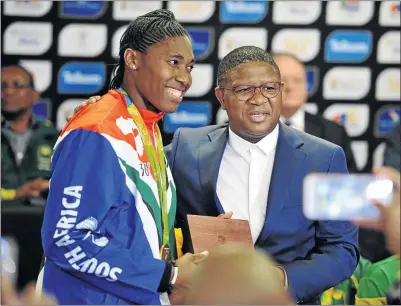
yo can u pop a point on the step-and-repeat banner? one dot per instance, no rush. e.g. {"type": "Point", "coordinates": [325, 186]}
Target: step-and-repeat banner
{"type": "Point", "coordinates": [351, 50]}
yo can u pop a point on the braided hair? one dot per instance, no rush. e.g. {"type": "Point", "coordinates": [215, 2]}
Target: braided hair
{"type": "Point", "coordinates": [143, 33]}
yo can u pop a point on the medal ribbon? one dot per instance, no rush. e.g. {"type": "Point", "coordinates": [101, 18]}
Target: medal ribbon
{"type": "Point", "coordinates": [157, 162]}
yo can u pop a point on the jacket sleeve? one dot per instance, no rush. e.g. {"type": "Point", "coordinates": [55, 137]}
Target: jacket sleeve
{"type": "Point", "coordinates": [335, 256]}
{"type": "Point", "coordinates": [86, 191]}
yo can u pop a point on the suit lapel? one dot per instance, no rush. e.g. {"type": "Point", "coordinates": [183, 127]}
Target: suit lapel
{"type": "Point", "coordinates": [210, 154]}
{"type": "Point", "coordinates": [287, 162]}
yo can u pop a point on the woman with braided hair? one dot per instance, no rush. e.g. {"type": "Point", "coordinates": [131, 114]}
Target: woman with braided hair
{"type": "Point", "coordinates": [108, 229]}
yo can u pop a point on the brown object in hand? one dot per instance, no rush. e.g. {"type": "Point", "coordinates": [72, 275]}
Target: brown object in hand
{"type": "Point", "coordinates": [209, 232]}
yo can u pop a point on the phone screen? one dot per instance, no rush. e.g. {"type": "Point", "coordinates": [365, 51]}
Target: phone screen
{"type": "Point", "coordinates": [344, 196]}
{"type": "Point", "coordinates": [9, 259]}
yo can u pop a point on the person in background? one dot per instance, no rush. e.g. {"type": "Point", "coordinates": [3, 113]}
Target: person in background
{"type": "Point", "coordinates": [235, 274]}
{"type": "Point", "coordinates": [392, 153]}
{"type": "Point", "coordinates": [108, 228]}
{"type": "Point", "coordinates": [295, 95]}
{"type": "Point", "coordinates": [371, 242]}
{"type": "Point", "coordinates": [26, 142]}
{"type": "Point", "coordinates": [391, 227]}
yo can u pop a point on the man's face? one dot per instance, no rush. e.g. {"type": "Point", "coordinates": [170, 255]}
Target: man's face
{"type": "Point", "coordinates": [293, 76]}
{"type": "Point", "coordinates": [164, 73]}
{"type": "Point", "coordinates": [16, 90]}
{"type": "Point", "coordinates": [259, 115]}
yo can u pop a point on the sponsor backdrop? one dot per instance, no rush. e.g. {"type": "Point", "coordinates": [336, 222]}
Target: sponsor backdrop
{"type": "Point", "coordinates": [351, 49]}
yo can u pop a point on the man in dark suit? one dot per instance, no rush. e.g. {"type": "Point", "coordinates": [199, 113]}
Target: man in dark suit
{"type": "Point", "coordinates": [295, 95]}
{"type": "Point", "coordinates": [254, 167]}
{"type": "Point", "coordinates": [393, 149]}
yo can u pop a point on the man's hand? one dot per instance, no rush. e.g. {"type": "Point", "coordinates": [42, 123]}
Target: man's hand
{"type": "Point", "coordinates": [91, 100]}
{"type": "Point", "coordinates": [186, 265]}
{"type": "Point", "coordinates": [32, 188]}
{"type": "Point", "coordinates": [389, 222]}
{"type": "Point", "coordinates": [226, 215]}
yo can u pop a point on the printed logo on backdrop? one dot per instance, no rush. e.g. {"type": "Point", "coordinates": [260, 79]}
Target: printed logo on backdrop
{"type": "Point", "coordinates": [27, 8]}
{"type": "Point", "coordinates": [360, 150]}
{"type": "Point", "coordinates": [390, 14]}
{"type": "Point", "coordinates": [312, 79]}
{"type": "Point", "coordinates": [388, 86]}
{"type": "Point", "coordinates": [82, 40]}
{"type": "Point", "coordinates": [388, 48]}
{"type": "Point", "coordinates": [192, 11]}
{"type": "Point", "coordinates": [202, 80]}
{"type": "Point", "coordinates": [115, 41]}
{"type": "Point", "coordinates": [81, 78]}
{"type": "Point", "coordinates": [346, 83]}
{"type": "Point", "coordinates": [233, 38]}
{"type": "Point", "coordinates": [41, 71]}
{"type": "Point", "coordinates": [202, 41]}
{"type": "Point", "coordinates": [296, 12]}
{"type": "Point", "coordinates": [354, 117]}
{"type": "Point", "coordinates": [41, 109]}
{"type": "Point", "coordinates": [243, 11]}
{"type": "Point", "coordinates": [129, 10]}
{"type": "Point", "coordinates": [351, 12]}
{"type": "Point", "coordinates": [386, 118]}
{"type": "Point", "coordinates": [82, 9]}
{"type": "Point", "coordinates": [27, 38]}
{"type": "Point", "coordinates": [189, 114]}
{"type": "Point", "coordinates": [303, 43]}
{"type": "Point", "coordinates": [64, 110]}
{"type": "Point", "coordinates": [348, 46]}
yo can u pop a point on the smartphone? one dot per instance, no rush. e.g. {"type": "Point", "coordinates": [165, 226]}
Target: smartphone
{"type": "Point", "coordinates": [341, 196]}
{"type": "Point", "coordinates": [9, 258]}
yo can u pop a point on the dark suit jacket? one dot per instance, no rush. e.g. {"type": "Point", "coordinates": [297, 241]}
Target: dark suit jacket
{"type": "Point", "coordinates": [315, 255]}
{"type": "Point", "coordinates": [321, 127]}
{"type": "Point", "coordinates": [393, 149]}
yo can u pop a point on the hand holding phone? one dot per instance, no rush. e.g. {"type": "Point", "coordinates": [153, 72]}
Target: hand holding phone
{"type": "Point", "coordinates": [343, 196]}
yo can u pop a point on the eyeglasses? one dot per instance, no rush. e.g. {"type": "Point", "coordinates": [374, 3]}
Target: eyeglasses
{"type": "Point", "coordinates": [245, 93]}
{"type": "Point", "coordinates": [15, 85]}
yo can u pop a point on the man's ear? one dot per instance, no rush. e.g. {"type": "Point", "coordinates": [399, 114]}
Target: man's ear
{"type": "Point", "coordinates": [131, 59]}
{"type": "Point", "coordinates": [35, 96]}
{"type": "Point", "coordinates": [219, 93]}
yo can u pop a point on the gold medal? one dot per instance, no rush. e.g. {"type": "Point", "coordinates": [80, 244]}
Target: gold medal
{"type": "Point", "coordinates": [165, 252]}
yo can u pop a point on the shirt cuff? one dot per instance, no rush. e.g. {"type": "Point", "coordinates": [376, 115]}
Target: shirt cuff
{"type": "Point", "coordinates": [285, 276]}
{"type": "Point", "coordinates": [175, 276]}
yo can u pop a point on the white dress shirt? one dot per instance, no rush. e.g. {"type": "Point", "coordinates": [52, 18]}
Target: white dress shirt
{"type": "Point", "coordinates": [297, 120]}
{"type": "Point", "coordinates": [244, 178]}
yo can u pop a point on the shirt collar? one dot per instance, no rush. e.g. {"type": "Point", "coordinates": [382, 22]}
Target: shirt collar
{"type": "Point", "coordinates": [297, 120]}
{"type": "Point", "coordinates": [33, 122]}
{"type": "Point", "coordinates": [266, 145]}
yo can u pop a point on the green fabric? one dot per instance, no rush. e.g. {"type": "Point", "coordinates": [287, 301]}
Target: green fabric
{"type": "Point", "coordinates": [342, 294]}
{"type": "Point", "coordinates": [36, 161]}
{"type": "Point", "coordinates": [378, 278]}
